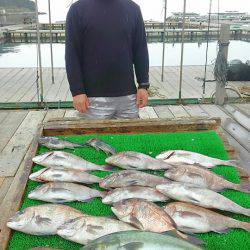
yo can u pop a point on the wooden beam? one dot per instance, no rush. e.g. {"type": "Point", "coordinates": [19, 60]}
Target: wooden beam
{"type": "Point", "coordinates": [220, 92]}
{"type": "Point", "coordinates": [81, 127]}
{"type": "Point", "coordinates": [13, 199]}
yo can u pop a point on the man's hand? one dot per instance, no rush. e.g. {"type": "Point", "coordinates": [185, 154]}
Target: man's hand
{"type": "Point", "coordinates": [142, 98]}
{"type": "Point", "coordinates": [81, 103]}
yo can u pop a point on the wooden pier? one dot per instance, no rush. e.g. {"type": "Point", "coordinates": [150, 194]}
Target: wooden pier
{"type": "Point", "coordinates": [58, 35]}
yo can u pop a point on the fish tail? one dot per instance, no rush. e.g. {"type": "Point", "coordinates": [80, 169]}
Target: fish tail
{"type": "Point", "coordinates": [109, 168]}
{"type": "Point", "coordinates": [246, 211]}
{"type": "Point", "coordinates": [244, 186]}
{"type": "Point", "coordinates": [242, 172]}
{"type": "Point", "coordinates": [190, 238]}
{"type": "Point", "coordinates": [239, 224]}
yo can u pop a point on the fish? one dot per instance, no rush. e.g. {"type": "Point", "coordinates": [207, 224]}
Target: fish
{"type": "Point", "coordinates": [192, 158]}
{"type": "Point", "coordinates": [126, 178]}
{"type": "Point", "coordinates": [101, 145]}
{"type": "Point", "coordinates": [64, 175]}
{"type": "Point", "coordinates": [124, 193]}
{"type": "Point", "coordinates": [42, 219]}
{"type": "Point", "coordinates": [193, 219]}
{"type": "Point", "coordinates": [147, 216]}
{"type": "Point", "coordinates": [56, 143]}
{"type": "Point", "coordinates": [85, 229]}
{"type": "Point", "coordinates": [203, 177]}
{"type": "Point", "coordinates": [137, 240]}
{"type": "Point", "coordinates": [136, 161]}
{"type": "Point", "coordinates": [202, 197]}
{"type": "Point", "coordinates": [60, 192]}
{"type": "Point", "coordinates": [58, 159]}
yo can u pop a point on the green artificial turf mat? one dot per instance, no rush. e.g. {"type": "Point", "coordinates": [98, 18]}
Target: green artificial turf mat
{"type": "Point", "coordinates": [207, 143]}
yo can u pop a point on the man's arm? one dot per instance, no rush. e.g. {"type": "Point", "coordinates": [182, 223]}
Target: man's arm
{"type": "Point", "coordinates": [140, 52]}
{"type": "Point", "coordinates": [73, 51]}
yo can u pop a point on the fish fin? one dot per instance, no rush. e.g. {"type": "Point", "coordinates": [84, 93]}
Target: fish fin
{"type": "Point", "coordinates": [103, 194]}
{"type": "Point", "coordinates": [92, 229]}
{"type": "Point", "coordinates": [244, 174]}
{"type": "Point", "coordinates": [134, 221]}
{"type": "Point", "coordinates": [195, 175]}
{"type": "Point", "coordinates": [222, 231]}
{"type": "Point", "coordinates": [190, 238]}
{"type": "Point", "coordinates": [42, 220]}
{"type": "Point", "coordinates": [109, 168]}
{"type": "Point", "coordinates": [244, 225]}
{"type": "Point", "coordinates": [193, 199]}
{"type": "Point", "coordinates": [244, 186]}
{"type": "Point", "coordinates": [133, 183]}
{"type": "Point", "coordinates": [131, 246]}
{"type": "Point", "coordinates": [187, 214]}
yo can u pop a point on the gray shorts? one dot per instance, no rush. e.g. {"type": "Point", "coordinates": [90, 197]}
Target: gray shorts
{"type": "Point", "coordinates": [104, 108]}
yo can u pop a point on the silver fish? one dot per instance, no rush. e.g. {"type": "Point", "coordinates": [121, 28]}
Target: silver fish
{"type": "Point", "coordinates": [56, 143]}
{"type": "Point", "coordinates": [202, 177]}
{"type": "Point", "coordinates": [193, 219]}
{"type": "Point", "coordinates": [147, 216]}
{"type": "Point", "coordinates": [128, 178]}
{"type": "Point", "coordinates": [136, 161]}
{"type": "Point", "coordinates": [60, 192]}
{"type": "Point", "coordinates": [66, 160]}
{"type": "Point", "coordinates": [64, 175]}
{"type": "Point", "coordinates": [85, 229]}
{"type": "Point", "coordinates": [43, 219]}
{"type": "Point", "coordinates": [200, 196]}
{"type": "Point", "coordinates": [101, 145]}
{"type": "Point", "coordinates": [124, 193]}
{"type": "Point", "coordinates": [136, 240]}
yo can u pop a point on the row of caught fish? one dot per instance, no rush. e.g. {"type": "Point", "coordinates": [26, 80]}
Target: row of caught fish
{"type": "Point", "coordinates": [136, 184]}
{"type": "Point", "coordinates": [134, 214]}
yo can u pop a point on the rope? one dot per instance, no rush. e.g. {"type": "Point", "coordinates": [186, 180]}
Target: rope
{"type": "Point", "coordinates": [206, 62]}
{"type": "Point", "coordinates": [220, 68]}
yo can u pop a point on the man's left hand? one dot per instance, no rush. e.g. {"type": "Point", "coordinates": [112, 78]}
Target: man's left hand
{"type": "Point", "coordinates": [142, 98]}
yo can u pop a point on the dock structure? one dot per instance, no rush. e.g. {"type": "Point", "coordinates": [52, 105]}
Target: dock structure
{"type": "Point", "coordinates": [30, 35]}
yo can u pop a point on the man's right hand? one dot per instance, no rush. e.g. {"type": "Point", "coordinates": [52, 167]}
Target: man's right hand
{"type": "Point", "coordinates": [81, 103]}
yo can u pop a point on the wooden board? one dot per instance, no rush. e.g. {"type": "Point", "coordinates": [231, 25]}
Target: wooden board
{"type": "Point", "coordinates": [163, 112]}
{"type": "Point", "coordinates": [14, 151]}
{"type": "Point", "coordinates": [81, 127]}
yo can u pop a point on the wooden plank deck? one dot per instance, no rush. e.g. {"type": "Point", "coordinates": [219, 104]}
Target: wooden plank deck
{"type": "Point", "coordinates": [17, 129]}
{"type": "Point", "coordinates": [19, 84]}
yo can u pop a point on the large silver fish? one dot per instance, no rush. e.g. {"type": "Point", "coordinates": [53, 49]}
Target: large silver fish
{"type": "Point", "coordinates": [101, 145]}
{"type": "Point", "coordinates": [193, 219]}
{"type": "Point", "coordinates": [85, 229]}
{"type": "Point", "coordinates": [203, 178]}
{"type": "Point", "coordinates": [60, 192]}
{"type": "Point", "coordinates": [182, 156]}
{"type": "Point", "coordinates": [124, 193]}
{"type": "Point", "coordinates": [56, 143]}
{"type": "Point", "coordinates": [60, 159]}
{"type": "Point", "coordinates": [136, 240]}
{"type": "Point", "coordinates": [64, 175]}
{"type": "Point", "coordinates": [128, 178]}
{"type": "Point", "coordinates": [200, 196]}
{"type": "Point", "coordinates": [43, 219]}
{"type": "Point", "coordinates": [147, 216]}
{"type": "Point", "coordinates": [136, 161]}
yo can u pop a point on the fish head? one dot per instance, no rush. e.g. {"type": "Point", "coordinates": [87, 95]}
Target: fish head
{"type": "Point", "coordinates": [39, 191]}
{"type": "Point", "coordinates": [20, 220]}
{"type": "Point", "coordinates": [174, 172]}
{"type": "Point", "coordinates": [165, 155]}
{"type": "Point", "coordinates": [35, 176]}
{"type": "Point", "coordinates": [44, 140]}
{"type": "Point", "coordinates": [123, 209]}
{"type": "Point", "coordinates": [40, 158]}
{"type": "Point", "coordinates": [71, 227]}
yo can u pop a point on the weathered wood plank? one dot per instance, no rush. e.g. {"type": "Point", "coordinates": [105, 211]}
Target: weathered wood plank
{"type": "Point", "coordinates": [10, 125]}
{"type": "Point", "coordinates": [163, 112]}
{"type": "Point", "coordinates": [13, 153]}
{"type": "Point", "coordinates": [5, 187]}
{"type": "Point", "coordinates": [13, 199]}
{"type": "Point", "coordinates": [3, 115]}
{"type": "Point", "coordinates": [195, 110]}
{"type": "Point", "coordinates": [71, 113]}
{"type": "Point", "coordinates": [178, 111]}
{"type": "Point", "coordinates": [147, 113]}
{"type": "Point", "coordinates": [55, 113]}
{"type": "Point", "coordinates": [214, 111]}
{"type": "Point", "coordinates": [80, 127]}
{"type": "Point", "coordinates": [244, 107]}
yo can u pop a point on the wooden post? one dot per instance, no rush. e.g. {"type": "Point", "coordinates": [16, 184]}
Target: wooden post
{"type": "Point", "coordinates": [220, 93]}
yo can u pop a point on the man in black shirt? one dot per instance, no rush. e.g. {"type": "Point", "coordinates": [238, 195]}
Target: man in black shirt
{"type": "Point", "coordinates": [105, 42]}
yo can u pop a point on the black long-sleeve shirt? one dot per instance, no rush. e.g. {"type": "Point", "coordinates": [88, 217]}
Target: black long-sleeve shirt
{"type": "Point", "coordinates": [104, 40]}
